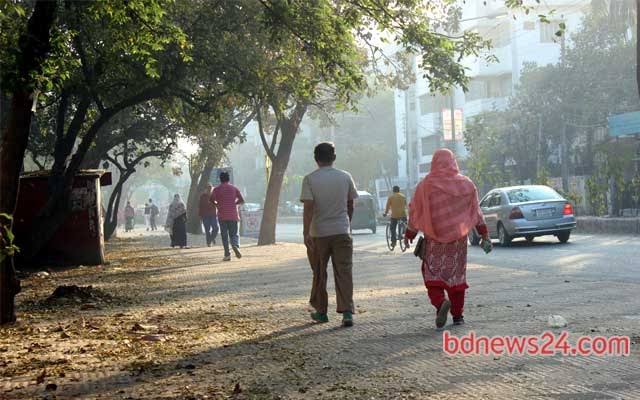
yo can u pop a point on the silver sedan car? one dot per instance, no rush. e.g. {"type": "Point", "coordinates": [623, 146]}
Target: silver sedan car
{"type": "Point", "coordinates": [526, 211]}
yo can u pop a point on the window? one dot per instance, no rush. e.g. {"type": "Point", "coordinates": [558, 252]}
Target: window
{"type": "Point", "coordinates": [532, 193]}
{"type": "Point", "coordinates": [499, 87]}
{"type": "Point", "coordinates": [485, 202]}
{"type": "Point", "coordinates": [477, 89]}
{"type": "Point", "coordinates": [482, 88]}
{"type": "Point", "coordinates": [431, 103]}
{"type": "Point", "coordinates": [496, 199]}
{"type": "Point", "coordinates": [548, 32]}
{"type": "Point", "coordinates": [429, 144]}
{"type": "Point", "coordinates": [424, 168]}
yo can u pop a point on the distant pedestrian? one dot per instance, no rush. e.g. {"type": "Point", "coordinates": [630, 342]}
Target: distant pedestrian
{"type": "Point", "coordinates": [129, 217]}
{"type": "Point", "coordinates": [154, 214]}
{"type": "Point", "coordinates": [397, 204]}
{"type": "Point", "coordinates": [328, 194]}
{"type": "Point", "coordinates": [147, 215]}
{"type": "Point", "coordinates": [445, 207]}
{"type": "Point", "coordinates": [176, 223]}
{"type": "Point", "coordinates": [227, 198]}
{"type": "Point", "coordinates": [207, 212]}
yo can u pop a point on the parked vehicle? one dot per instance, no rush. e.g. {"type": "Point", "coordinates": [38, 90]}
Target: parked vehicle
{"type": "Point", "coordinates": [291, 208]}
{"type": "Point", "coordinates": [250, 207]}
{"type": "Point", "coordinates": [526, 211]}
{"type": "Point", "coordinates": [364, 212]}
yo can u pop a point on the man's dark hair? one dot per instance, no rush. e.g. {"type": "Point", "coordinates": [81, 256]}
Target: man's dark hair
{"type": "Point", "coordinates": [150, 201]}
{"type": "Point", "coordinates": [325, 153]}
{"type": "Point", "coordinates": [224, 177]}
{"type": "Point", "coordinates": [396, 189]}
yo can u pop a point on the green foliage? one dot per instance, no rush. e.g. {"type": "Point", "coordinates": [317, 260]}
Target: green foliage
{"type": "Point", "coordinates": [615, 161]}
{"type": "Point", "coordinates": [485, 142]}
{"type": "Point", "coordinates": [597, 186]}
{"type": "Point", "coordinates": [7, 248]}
{"type": "Point", "coordinates": [542, 177]}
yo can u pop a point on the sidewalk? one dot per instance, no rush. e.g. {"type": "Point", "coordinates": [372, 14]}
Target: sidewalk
{"type": "Point", "coordinates": [183, 324]}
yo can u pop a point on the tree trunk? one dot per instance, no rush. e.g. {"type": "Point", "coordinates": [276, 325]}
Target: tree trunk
{"type": "Point", "coordinates": [276, 178]}
{"type": "Point", "coordinates": [638, 45]}
{"type": "Point", "coordinates": [34, 46]}
{"type": "Point", "coordinates": [194, 226]}
{"type": "Point", "coordinates": [111, 219]}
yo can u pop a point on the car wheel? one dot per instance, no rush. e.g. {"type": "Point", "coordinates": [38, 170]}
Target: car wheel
{"type": "Point", "coordinates": [503, 236]}
{"type": "Point", "coordinates": [474, 239]}
{"type": "Point", "coordinates": [563, 237]}
{"type": "Point", "coordinates": [529, 238]}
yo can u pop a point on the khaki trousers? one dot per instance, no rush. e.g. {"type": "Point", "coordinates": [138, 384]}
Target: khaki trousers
{"type": "Point", "coordinates": [338, 248]}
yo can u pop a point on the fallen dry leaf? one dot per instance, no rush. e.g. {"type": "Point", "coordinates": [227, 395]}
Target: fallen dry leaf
{"type": "Point", "coordinates": [40, 378]}
{"type": "Point", "coordinates": [154, 338]}
{"type": "Point", "coordinates": [141, 327]}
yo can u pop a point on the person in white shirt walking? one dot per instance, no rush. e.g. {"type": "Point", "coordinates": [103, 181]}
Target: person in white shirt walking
{"type": "Point", "coordinates": [328, 194]}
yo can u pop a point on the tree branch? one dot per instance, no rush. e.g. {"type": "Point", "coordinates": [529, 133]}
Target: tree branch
{"type": "Point", "coordinates": [266, 146]}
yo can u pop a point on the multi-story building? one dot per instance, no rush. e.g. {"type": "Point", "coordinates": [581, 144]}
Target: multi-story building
{"type": "Point", "coordinates": [424, 121]}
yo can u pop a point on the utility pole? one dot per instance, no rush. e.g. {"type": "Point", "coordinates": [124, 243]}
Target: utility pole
{"type": "Point", "coordinates": [539, 156]}
{"type": "Point", "coordinates": [453, 121]}
{"type": "Point", "coordinates": [565, 159]}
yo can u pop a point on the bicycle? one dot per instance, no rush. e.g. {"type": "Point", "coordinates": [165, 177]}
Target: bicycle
{"type": "Point", "coordinates": [401, 228]}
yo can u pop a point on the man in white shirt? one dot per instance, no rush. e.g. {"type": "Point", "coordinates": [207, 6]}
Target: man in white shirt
{"type": "Point", "coordinates": [328, 194]}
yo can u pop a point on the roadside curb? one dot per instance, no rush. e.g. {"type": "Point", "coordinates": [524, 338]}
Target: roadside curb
{"type": "Point", "coordinates": [627, 226]}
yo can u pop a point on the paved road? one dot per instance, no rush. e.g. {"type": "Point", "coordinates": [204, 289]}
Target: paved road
{"type": "Point", "coordinates": [239, 329]}
{"type": "Point", "coordinates": [587, 256]}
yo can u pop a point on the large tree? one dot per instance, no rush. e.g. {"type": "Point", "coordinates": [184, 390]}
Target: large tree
{"type": "Point", "coordinates": [24, 51]}
{"type": "Point", "coordinates": [213, 138]}
{"type": "Point", "coordinates": [329, 55]}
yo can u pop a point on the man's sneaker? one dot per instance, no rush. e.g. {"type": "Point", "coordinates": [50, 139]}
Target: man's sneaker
{"type": "Point", "coordinates": [458, 320]}
{"type": "Point", "coordinates": [319, 317]}
{"type": "Point", "coordinates": [226, 258]}
{"type": "Point", "coordinates": [347, 319]}
{"type": "Point", "coordinates": [441, 315]}
{"type": "Point", "coordinates": [236, 251]}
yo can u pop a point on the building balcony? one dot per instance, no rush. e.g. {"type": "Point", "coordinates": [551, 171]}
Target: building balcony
{"type": "Point", "coordinates": [475, 107]}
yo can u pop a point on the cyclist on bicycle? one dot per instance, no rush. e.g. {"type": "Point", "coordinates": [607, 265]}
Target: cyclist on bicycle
{"type": "Point", "coordinates": [397, 203]}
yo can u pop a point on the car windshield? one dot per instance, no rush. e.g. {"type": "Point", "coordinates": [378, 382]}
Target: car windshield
{"type": "Point", "coordinates": [532, 193]}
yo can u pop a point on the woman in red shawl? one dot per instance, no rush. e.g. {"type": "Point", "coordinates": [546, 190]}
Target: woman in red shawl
{"type": "Point", "coordinates": [445, 207]}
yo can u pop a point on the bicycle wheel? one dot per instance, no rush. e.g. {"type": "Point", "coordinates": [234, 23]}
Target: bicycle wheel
{"type": "Point", "coordinates": [388, 234]}
{"type": "Point", "coordinates": [401, 228]}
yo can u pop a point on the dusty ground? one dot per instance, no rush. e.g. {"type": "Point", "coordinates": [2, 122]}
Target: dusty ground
{"type": "Point", "coordinates": [166, 323]}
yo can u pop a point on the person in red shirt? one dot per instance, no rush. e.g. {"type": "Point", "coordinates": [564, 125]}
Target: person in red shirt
{"type": "Point", "coordinates": [207, 213]}
{"type": "Point", "coordinates": [227, 198]}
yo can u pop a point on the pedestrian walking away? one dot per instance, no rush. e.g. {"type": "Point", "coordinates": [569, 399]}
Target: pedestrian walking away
{"type": "Point", "coordinates": [207, 213]}
{"type": "Point", "coordinates": [397, 204]}
{"type": "Point", "coordinates": [129, 217]}
{"type": "Point", "coordinates": [328, 194]}
{"type": "Point", "coordinates": [227, 198]}
{"type": "Point", "coordinates": [176, 223]}
{"type": "Point", "coordinates": [154, 214]}
{"type": "Point", "coordinates": [445, 207]}
{"type": "Point", "coordinates": [147, 215]}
